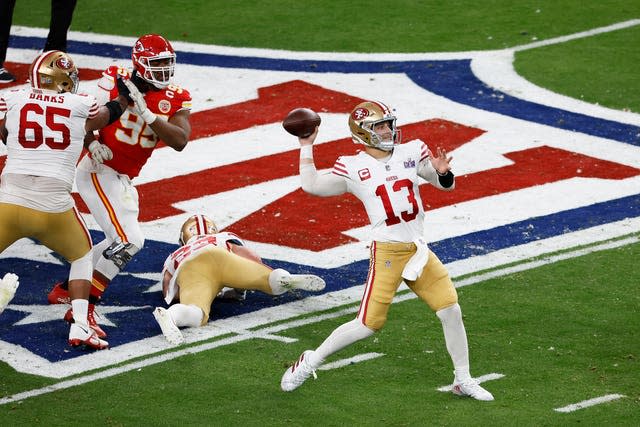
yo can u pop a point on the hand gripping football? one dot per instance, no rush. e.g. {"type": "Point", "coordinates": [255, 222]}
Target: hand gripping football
{"type": "Point", "coordinates": [301, 122]}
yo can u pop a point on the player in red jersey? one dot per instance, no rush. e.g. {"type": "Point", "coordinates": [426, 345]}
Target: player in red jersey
{"type": "Point", "coordinates": [159, 113]}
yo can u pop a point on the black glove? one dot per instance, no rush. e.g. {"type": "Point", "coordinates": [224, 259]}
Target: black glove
{"type": "Point", "coordinates": [123, 89]}
{"type": "Point", "coordinates": [140, 83]}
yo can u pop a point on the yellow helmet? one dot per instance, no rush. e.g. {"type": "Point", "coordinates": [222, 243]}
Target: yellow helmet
{"type": "Point", "coordinates": [196, 225]}
{"type": "Point", "coordinates": [54, 70]}
{"type": "Point", "coordinates": [364, 117]}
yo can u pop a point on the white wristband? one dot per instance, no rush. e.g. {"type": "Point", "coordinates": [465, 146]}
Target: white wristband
{"type": "Point", "coordinates": [306, 151]}
{"type": "Point", "coordinates": [148, 116]}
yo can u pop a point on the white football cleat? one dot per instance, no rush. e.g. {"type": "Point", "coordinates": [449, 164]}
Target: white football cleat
{"type": "Point", "coordinates": [169, 329]}
{"type": "Point", "coordinates": [306, 282]}
{"type": "Point", "coordinates": [8, 285]}
{"type": "Point", "coordinates": [80, 334]}
{"type": "Point", "coordinates": [471, 388]}
{"type": "Point", "coordinates": [298, 373]}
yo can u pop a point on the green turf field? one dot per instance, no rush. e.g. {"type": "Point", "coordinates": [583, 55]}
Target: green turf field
{"type": "Point", "coordinates": [559, 334]}
{"type": "Point", "coordinates": [600, 69]}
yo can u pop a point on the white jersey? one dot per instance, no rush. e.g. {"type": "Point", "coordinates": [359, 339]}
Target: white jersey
{"type": "Point", "coordinates": [45, 132]}
{"type": "Point", "coordinates": [389, 189]}
{"type": "Point", "coordinates": [196, 244]}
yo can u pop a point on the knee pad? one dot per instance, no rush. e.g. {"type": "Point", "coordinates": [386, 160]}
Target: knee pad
{"type": "Point", "coordinates": [82, 268]}
{"type": "Point", "coordinates": [120, 253]}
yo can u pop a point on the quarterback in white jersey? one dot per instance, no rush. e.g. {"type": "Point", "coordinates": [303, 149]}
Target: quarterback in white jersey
{"type": "Point", "coordinates": [208, 262]}
{"type": "Point", "coordinates": [43, 127]}
{"type": "Point", "coordinates": [385, 178]}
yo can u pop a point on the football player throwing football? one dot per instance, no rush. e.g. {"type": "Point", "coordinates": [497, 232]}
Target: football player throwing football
{"type": "Point", "coordinates": [385, 177]}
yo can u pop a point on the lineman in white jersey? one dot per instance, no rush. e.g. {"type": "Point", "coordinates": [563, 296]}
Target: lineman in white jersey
{"type": "Point", "coordinates": [43, 127]}
{"type": "Point", "coordinates": [208, 264]}
{"type": "Point", "coordinates": [385, 178]}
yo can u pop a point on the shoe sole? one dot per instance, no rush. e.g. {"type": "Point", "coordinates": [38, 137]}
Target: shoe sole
{"type": "Point", "coordinates": [458, 392]}
{"type": "Point", "coordinates": [76, 342]}
{"type": "Point", "coordinates": [168, 328]}
{"type": "Point", "coordinates": [306, 282]}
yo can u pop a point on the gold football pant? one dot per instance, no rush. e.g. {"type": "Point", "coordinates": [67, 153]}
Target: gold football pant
{"type": "Point", "coordinates": [201, 277]}
{"type": "Point", "coordinates": [64, 232]}
{"type": "Point", "coordinates": [387, 261]}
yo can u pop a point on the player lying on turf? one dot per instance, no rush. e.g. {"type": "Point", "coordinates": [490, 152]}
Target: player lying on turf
{"type": "Point", "coordinates": [206, 263]}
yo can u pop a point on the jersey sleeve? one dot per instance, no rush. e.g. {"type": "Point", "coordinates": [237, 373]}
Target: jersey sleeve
{"type": "Point", "coordinates": [322, 184]}
{"type": "Point", "coordinates": [107, 89]}
{"type": "Point", "coordinates": [3, 108]}
{"type": "Point", "coordinates": [340, 168]}
{"type": "Point", "coordinates": [233, 239]}
{"type": "Point", "coordinates": [181, 100]}
{"type": "Point", "coordinates": [91, 102]}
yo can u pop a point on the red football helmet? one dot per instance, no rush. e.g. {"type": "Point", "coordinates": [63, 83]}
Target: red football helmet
{"type": "Point", "coordinates": [154, 59]}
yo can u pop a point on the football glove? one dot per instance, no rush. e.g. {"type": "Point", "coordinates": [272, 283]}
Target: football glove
{"type": "Point", "coordinates": [99, 152]}
{"type": "Point", "coordinates": [123, 89]}
{"type": "Point", "coordinates": [139, 104]}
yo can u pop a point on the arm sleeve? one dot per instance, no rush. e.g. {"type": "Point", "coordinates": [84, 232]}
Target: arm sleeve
{"type": "Point", "coordinates": [326, 184]}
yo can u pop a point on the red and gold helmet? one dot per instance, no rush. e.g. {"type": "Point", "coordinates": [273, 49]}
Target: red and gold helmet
{"type": "Point", "coordinates": [54, 70]}
{"type": "Point", "coordinates": [362, 120]}
{"type": "Point", "coordinates": [196, 225]}
{"type": "Point", "coordinates": [154, 59]}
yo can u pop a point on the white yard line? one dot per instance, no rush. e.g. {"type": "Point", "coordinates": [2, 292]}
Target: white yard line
{"type": "Point", "coordinates": [350, 361]}
{"type": "Point", "coordinates": [591, 402]}
{"type": "Point", "coordinates": [269, 331]}
{"type": "Point", "coordinates": [580, 35]}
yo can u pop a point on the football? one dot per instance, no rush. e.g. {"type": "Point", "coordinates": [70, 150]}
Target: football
{"type": "Point", "coordinates": [301, 122]}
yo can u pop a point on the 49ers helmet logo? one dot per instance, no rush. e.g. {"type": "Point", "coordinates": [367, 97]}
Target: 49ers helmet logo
{"type": "Point", "coordinates": [360, 113]}
{"type": "Point", "coordinates": [64, 63]}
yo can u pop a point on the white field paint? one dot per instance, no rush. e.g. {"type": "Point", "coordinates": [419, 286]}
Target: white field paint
{"type": "Point", "coordinates": [269, 332]}
{"type": "Point", "coordinates": [591, 402]}
{"type": "Point", "coordinates": [350, 361]}
{"type": "Point", "coordinates": [480, 379]}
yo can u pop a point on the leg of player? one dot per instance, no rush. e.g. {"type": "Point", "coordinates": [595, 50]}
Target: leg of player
{"type": "Point", "coordinates": [343, 336]}
{"type": "Point", "coordinates": [455, 338]}
{"type": "Point", "coordinates": [176, 316]}
{"type": "Point", "coordinates": [282, 281]}
{"type": "Point", "coordinates": [80, 333]}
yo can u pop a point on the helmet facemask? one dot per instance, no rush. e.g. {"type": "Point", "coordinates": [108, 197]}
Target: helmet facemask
{"type": "Point", "coordinates": [159, 69]}
{"type": "Point", "coordinates": [382, 142]}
